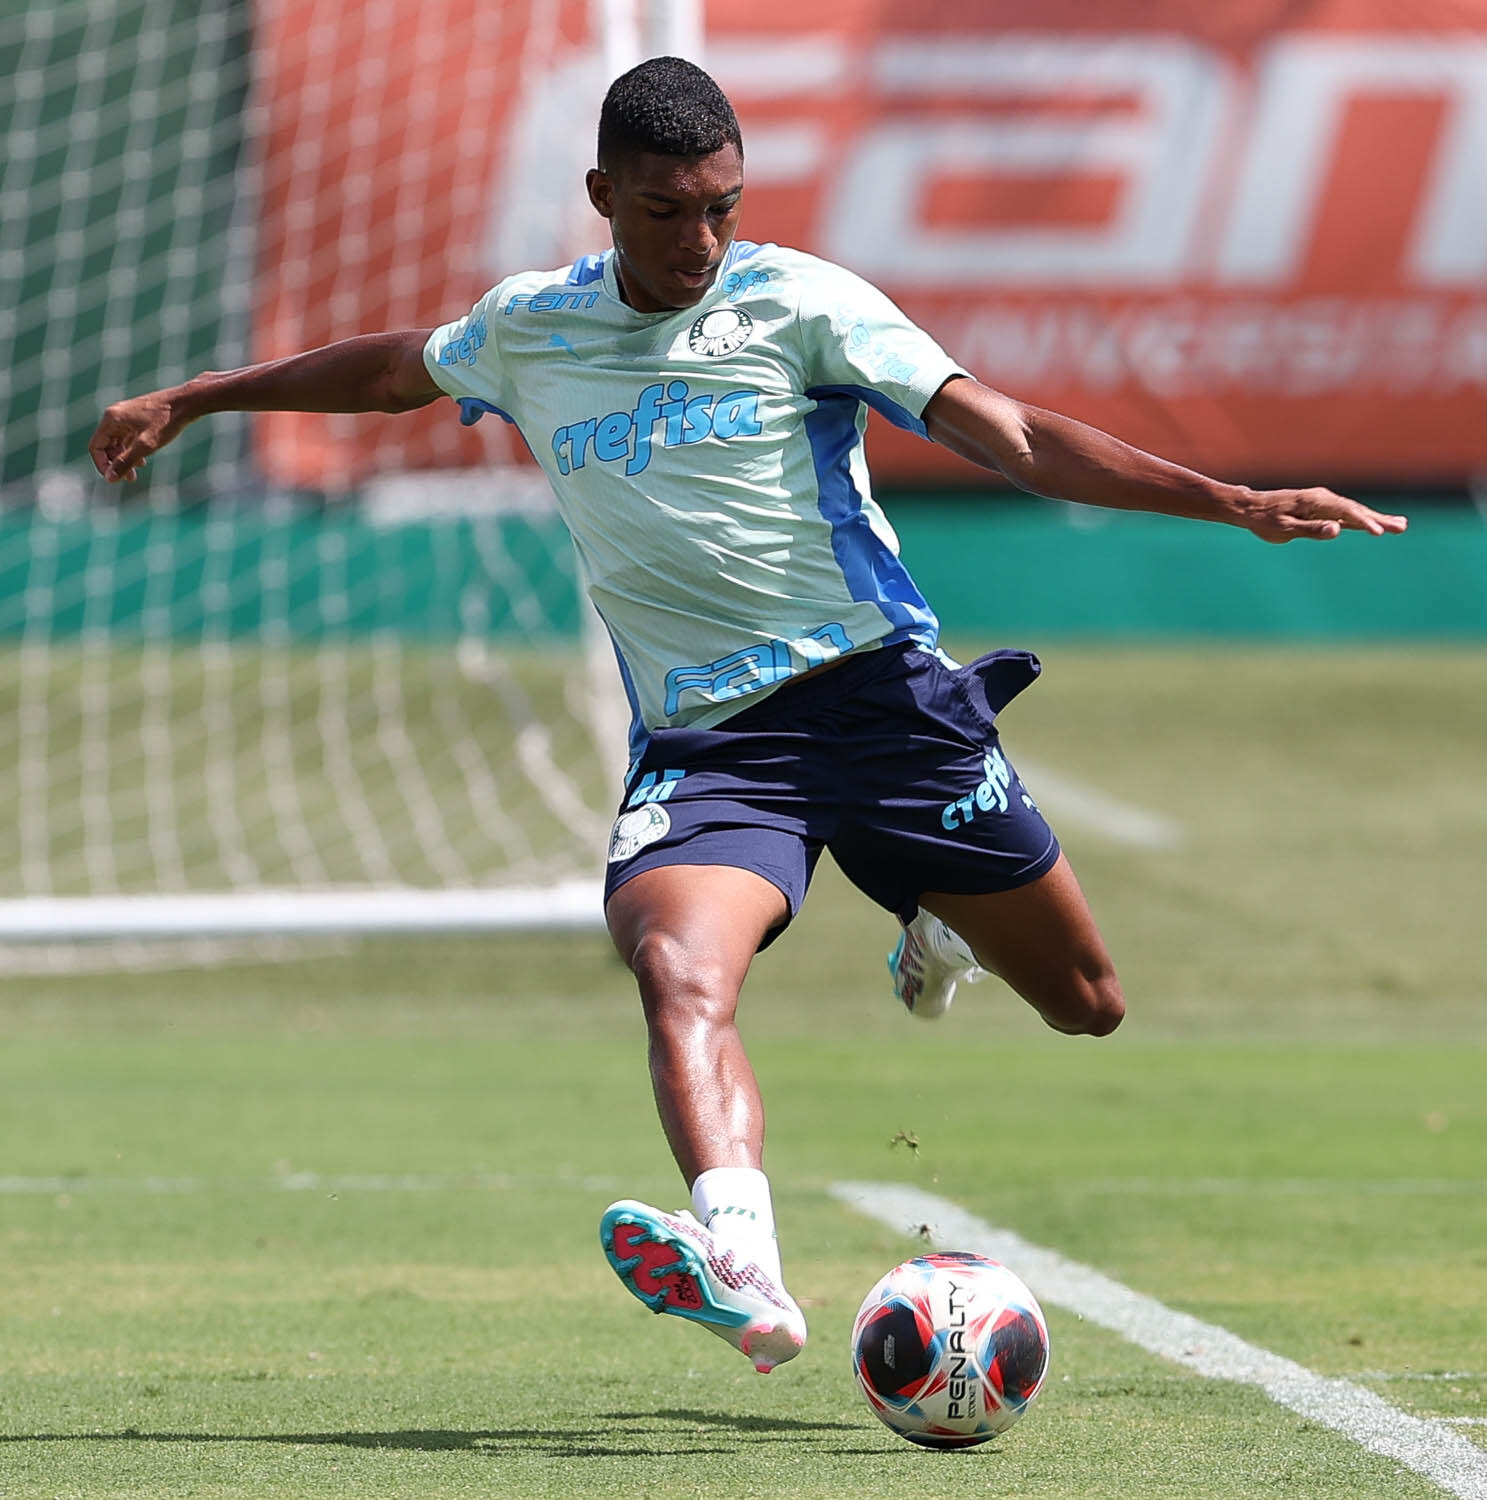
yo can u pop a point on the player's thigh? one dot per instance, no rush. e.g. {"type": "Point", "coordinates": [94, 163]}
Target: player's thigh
{"type": "Point", "coordinates": [689, 932]}
{"type": "Point", "coordinates": [1042, 939]}
{"type": "Point", "coordinates": [713, 848]}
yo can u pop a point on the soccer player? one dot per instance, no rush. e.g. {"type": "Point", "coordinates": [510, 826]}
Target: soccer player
{"type": "Point", "coordinates": [698, 403]}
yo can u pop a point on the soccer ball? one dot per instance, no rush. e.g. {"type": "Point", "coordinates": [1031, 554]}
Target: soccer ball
{"type": "Point", "coordinates": [949, 1349]}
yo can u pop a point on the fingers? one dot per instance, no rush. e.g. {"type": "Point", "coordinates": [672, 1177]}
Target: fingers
{"type": "Point", "coordinates": [122, 464]}
{"type": "Point", "coordinates": [1353, 515]}
{"type": "Point", "coordinates": [130, 432]}
{"type": "Point", "coordinates": [1378, 523]}
{"type": "Point", "coordinates": [110, 442]}
{"type": "Point", "coordinates": [1364, 520]}
{"type": "Point", "coordinates": [1320, 515]}
{"type": "Point", "coordinates": [130, 461]}
{"type": "Point", "coordinates": [104, 447]}
{"type": "Point", "coordinates": [1349, 515]}
{"type": "Point", "coordinates": [119, 451]}
{"type": "Point", "coordinates": [1319, 531]}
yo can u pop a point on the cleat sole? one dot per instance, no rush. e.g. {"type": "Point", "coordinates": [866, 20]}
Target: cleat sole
{"type": "Point", "coordinates": [662, 1272]}
{"type": "Point", "coordinates": [664, 1268]}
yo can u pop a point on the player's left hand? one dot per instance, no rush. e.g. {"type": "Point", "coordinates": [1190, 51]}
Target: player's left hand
{"type": "Point", "coordinates": [1318, 515]}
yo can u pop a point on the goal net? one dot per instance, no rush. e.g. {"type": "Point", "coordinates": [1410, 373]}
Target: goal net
{"type": "Point", "coordinates": [309, 673]}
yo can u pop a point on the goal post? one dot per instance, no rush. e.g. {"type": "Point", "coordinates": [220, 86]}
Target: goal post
{"type": "Point", "coordinates": [276, 698]}
{"type": "Point", "coordinates": [311, 674]}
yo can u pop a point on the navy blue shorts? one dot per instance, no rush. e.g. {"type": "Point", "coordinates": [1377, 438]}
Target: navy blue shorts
{"type": "Point", "coordinates": [891, 760]}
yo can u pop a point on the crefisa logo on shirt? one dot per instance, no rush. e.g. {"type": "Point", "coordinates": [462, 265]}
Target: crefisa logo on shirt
{"type": "Point", "coordinates": [720, 331]}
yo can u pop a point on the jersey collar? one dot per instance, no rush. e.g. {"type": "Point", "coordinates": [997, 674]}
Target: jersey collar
{"type": "Point", "coordinates": [739, 249]}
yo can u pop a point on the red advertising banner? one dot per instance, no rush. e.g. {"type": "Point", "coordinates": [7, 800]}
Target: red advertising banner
{"type": "Point", "coordinates": [395, 140]}
{"type": "Point", "coordinates": [1252, 237]}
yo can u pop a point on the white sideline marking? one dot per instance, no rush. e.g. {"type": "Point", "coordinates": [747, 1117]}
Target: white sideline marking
{"type": "Point", "coordinates": [302, 1182]}
{"type": "Point", "coordinates": [1083, 806]}
{"type": "Point", "coordinates": [1429, 1446]}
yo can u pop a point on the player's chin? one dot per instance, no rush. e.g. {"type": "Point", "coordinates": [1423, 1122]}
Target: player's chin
{"type": "Point", "coordinates": [687, 290]}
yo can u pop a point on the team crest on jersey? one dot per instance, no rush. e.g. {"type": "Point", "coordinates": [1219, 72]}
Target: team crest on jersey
{"type": "Point", "coordinates": [634, 830]}
{"type": "Point", "coordinates": [720, 331]}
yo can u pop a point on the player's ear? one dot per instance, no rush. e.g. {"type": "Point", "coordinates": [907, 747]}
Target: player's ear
{"type": "Point", "coordinates": [601, 191]}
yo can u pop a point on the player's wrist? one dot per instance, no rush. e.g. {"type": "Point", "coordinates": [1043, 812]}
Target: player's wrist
{"type": "Point", "coordinates": [1237, 505]}
{"type": "Point", "coordinates": [198, 397]}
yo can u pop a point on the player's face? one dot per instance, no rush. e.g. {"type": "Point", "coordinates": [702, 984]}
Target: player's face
{"type": "Point", "coordinates": [672, 219]}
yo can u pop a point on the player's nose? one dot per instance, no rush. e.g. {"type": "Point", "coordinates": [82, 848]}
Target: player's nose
{"type": "Point", "coordinates": [697, 237]}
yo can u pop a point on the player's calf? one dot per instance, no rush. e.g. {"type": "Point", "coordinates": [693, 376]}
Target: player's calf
{"type": "Point", "coordinates": [1041, 939]}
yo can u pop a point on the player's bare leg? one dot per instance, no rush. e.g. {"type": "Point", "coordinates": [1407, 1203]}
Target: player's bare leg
{"type": "Point", "coordinates": [1042, 940]}
{"type": "Point", "coordinates": [689, 934]}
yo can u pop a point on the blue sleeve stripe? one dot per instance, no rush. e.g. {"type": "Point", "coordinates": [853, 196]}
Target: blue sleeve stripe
{"type": "Point", "coordinates": [473, 408]}
{"type": "Point", "coordinates": [885, 406]}
{"type": "Point", "coordinates": [639, 735]}
{"type": "Point", "coordinates": [873, 572]}
{"type": "Point", "coordinates": [586, 269]}
{"type": "Point", "coordinates": [742, 250]}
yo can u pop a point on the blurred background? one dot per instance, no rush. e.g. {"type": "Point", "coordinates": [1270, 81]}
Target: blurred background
{"type": "Point", "coordinates": [317, 653]}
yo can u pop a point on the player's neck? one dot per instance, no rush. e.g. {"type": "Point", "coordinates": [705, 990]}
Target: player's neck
{"type": "Point", "coordinates": [625, 297]}
{"type": "Point", "coordinates": [652, 308]}
{"type": "Point", "coordinates": [619, 281]}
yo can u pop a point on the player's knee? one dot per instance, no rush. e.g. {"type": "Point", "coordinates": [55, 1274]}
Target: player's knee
{"type": "Point", "coordinates": [1086, 1002]}
{"type": "Point", "coordinates": [1104, 1004]}
{"type": "Point", "coordinates": [679, 983]}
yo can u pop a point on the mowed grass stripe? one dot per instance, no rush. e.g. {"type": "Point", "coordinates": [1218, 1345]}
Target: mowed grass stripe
{"type": "Point", "coordinates": [1286, 1187]}
{"type": "Point", "coordinates": [1426, 1445]}
{"type": "Point", "coordinates": [12, 1185]}
{"type": "Point", "coordinates": [306, 1182]}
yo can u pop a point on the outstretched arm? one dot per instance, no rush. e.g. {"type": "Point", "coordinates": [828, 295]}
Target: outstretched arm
{"type": "Point", "coordinates": [1056, 456]}
{"type": "Point", "coordinates": [376, 372]}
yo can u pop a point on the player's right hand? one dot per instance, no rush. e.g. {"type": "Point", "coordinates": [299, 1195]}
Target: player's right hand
{"type": "Point", "coordinates": [131, 431]}
{"type": "Point", "coordinates": [1318, 514]}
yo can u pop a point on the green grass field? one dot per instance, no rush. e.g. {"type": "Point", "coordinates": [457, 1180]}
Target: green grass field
{"type": "Point", "coordinates": [328, 1228]}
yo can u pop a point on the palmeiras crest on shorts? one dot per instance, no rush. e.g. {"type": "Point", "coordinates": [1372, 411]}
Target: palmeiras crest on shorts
{"type": "Point", "coordinates": [720, 331]}
{"type": "Point", "coordinates": [634, 830]}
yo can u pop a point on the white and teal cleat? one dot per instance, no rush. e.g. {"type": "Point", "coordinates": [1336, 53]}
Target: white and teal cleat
{"type": "Point", "coordinates": [927, 964]}
{"type": "Point", "coordinates": [676, 1266]}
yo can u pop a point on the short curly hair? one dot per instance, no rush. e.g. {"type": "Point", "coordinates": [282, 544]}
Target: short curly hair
{"type": "Point", "coordinates": [668, 107]}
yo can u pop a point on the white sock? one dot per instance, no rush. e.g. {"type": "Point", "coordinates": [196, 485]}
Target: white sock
{"type": "Point", "coordinates": [734, 1202]}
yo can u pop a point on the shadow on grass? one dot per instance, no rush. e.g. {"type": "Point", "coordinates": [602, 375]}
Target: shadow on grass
{"type": "Point", "coordinates": [554, 1443]}
{"type": "Point", "coordinates": [733, 1421]}
{"type": "Point", "coordinates": [430, 1440]}
{"type": "Point", "coordinates": [666, 1424]}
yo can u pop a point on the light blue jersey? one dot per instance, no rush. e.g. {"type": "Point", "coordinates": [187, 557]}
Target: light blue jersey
{"type": "Point", "coordinates": [709, 463]}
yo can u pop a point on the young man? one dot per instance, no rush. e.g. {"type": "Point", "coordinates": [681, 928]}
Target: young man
{"type": "Point", "coordinates": [698, 404]}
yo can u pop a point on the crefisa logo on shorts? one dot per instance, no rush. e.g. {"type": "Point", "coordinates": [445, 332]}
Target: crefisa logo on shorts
{"type": "Point", "coordinates": [634, 830]}
{"type": "Point", "coordinates": [720, 331]}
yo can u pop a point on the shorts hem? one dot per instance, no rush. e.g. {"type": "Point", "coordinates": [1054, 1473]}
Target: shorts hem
{"type": "Point", "coordinates": [664, 858]}
{"type": "Point", "coordinates": [1035, 870]}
